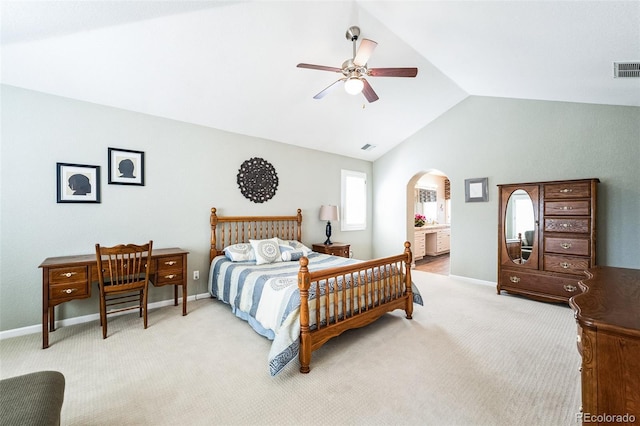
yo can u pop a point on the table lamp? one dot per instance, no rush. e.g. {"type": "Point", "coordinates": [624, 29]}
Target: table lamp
{"type": "Point", "coordinates": [328, 213]}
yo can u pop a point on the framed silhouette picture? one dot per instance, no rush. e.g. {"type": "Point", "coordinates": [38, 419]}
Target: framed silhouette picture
{"type": "Point", "coordinates": [126, 167]}
{"type": "Point", "coordinates": [78, 183]}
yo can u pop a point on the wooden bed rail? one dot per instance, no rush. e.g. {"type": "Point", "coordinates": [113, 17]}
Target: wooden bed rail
{"type": "Point", "coordinates": [349, 297]}
{"type": "Point", "coordinates": [229, 230]}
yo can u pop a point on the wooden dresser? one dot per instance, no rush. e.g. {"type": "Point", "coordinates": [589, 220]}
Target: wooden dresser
{"type": "Point", "coordinates": [335, 249]}
{"type": "Point", "coordinates": [562, 229]}
{"type": "Point", "coordinates": [68, 278]}
{"type": "Point", "coordinates": [608, 318]}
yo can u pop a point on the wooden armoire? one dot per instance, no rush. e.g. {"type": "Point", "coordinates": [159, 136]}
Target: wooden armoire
{"type": "Point", "coordinates": [546, 237]}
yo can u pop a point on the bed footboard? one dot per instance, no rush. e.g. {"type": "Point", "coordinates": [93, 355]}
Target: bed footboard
{"type": "Point", "coordinates": [339, 299]}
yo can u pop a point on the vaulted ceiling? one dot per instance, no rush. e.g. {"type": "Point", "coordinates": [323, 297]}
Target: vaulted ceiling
{"type": "Point", "coordinates": [231, 65]}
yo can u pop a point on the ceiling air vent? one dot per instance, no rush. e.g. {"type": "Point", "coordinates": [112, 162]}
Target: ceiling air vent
{"type": "Point", "coordinates": [367, 147]}
{"type": "Point", "coordinates": [626, 69]}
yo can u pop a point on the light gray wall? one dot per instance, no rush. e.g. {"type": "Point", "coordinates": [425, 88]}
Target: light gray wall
{"type": "Point", "coordinates": [189, 169]}
{"type": "Point", "coordinates": [515, 141]}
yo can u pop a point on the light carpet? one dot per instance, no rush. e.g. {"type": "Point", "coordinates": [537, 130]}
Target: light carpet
{"type": "Point", "coordinates": [468, 357]}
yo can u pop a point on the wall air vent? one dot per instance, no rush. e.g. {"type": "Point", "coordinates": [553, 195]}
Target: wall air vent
{"type": "Point", "coordinates": [367, 147]}
{"type": "Point", "coordinates": [626, 69]}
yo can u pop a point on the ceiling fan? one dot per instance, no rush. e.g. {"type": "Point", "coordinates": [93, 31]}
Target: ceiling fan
{"type": "Point", "coordinates": [355, 69]}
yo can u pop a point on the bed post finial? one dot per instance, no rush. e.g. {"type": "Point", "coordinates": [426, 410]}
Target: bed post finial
{"type": "Point", "coordinates": [304, 282]}
{"type": "Point", "coordinates": [299, 230]}
{"type": "Point", "coordinates": [407, 249]}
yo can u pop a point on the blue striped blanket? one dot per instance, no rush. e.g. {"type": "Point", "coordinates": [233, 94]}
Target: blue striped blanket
{"type": "Point", "coordinates": [267, 297]}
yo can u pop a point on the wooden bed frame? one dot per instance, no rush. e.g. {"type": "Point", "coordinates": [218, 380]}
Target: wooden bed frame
{"type": "Point", "coordinates": [372, 297]}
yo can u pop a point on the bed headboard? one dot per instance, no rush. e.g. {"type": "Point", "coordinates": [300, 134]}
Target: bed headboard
{"type": "Point", "coordinates": [227, 230]}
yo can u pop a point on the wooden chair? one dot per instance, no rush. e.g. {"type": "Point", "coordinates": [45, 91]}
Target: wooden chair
{"type": "Point", "coordinates": [123, 276]}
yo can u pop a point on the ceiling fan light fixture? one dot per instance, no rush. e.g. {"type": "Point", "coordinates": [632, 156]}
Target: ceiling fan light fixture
{"type": "Point", "coordinates": [353, 85]}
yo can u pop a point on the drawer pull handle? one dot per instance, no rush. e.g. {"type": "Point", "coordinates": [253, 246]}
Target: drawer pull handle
{"type": "Point", "coordinates": [570, 289]}
{"type": "Point", "coordinates": [566, 225]}
{"type": "Point", "coordinates": [514, 279]}
{"type": "Point", "coordinates": [170, 277]}
{"type": "Point", "coordinates": [565, 246]}
{"type": "Point", "coordinates": [170, 263]}
{"type": "Point", "coordinates": [68, 274]}
{"type": "Point", "coordinates": [565, 265]}
{"type": "Point", "coordinates": [566, 190]}
{"type": "Point", "coordinates": [68, 290]}
{"type": "Point", "coordinates": [567, 208]}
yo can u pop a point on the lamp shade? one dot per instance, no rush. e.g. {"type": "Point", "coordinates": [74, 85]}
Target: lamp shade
{"type": "Point", "coordinates": [329, 213]}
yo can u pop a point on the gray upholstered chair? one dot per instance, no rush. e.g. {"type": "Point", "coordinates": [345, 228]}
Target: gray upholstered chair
{"type": "Point", "coordinates": [32, 399]}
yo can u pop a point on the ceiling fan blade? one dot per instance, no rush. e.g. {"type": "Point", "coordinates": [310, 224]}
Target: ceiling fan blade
{"type": "Point", "coordinates": [393, 72]}
{"type": "Point", "coordinates": [364, 52]}
{"type": "Point", "coordinates": [319, 67]}
{"type": "Point", "coordinates": [368, 92]}
{"type": "Point", "coordinates": [328, 89]}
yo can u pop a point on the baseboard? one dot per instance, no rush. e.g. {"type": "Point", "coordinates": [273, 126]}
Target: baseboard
{"type": "Point", "coordinates": [37, 328]}
{"type": "Point", "coordinates": [474, 280]}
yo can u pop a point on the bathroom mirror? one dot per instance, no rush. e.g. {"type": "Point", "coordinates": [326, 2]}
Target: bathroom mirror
{"type": "Point", "coordinates": [519, 226]}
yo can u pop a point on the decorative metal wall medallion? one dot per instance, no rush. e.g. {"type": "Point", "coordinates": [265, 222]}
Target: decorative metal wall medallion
{"type": "Point", "coordinates": [257, 180]}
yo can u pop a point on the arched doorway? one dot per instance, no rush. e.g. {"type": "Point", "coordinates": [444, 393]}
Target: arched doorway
{"type": "Point", "coordinates": [429, 196]}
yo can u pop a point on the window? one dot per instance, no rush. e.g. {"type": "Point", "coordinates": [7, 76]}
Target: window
{"type": "Point", "coordinates": [354, 201]}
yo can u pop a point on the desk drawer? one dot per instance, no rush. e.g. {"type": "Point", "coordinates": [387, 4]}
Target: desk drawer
{"type": "Point", "coordinates": [67, 275]}
{"type": "Point", "coordinates": [69, 291]}
{"type": "Point", "coordinates": [172, 263]}
{"type": "Point", "coordinates": [169, 270]}
{"type": "Point", "coordinates": [168, 277]}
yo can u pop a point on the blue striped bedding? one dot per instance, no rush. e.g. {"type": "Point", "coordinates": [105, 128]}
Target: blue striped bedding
{"type": "Point", "coordinates": [267, 297]}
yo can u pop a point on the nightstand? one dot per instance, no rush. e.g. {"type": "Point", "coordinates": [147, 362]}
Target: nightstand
{"type": "Point", "coordinates": [335, 249]}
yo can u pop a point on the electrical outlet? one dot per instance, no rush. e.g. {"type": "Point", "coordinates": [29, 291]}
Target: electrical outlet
{"type": "Point", "coordinates": [196, 275]}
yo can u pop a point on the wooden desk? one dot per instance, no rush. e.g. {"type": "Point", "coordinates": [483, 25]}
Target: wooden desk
{"type": "Point", "coordinates": [608, 317]}
{"type": "Point", "coordinates": [71, 277]}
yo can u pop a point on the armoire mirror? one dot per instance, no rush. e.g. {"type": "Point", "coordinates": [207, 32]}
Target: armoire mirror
{"type": "Point", "coordinates": [519, 226]}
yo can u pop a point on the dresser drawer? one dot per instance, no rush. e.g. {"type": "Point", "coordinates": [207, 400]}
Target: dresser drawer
{"type": "Point", "coordinates": [537, 283]}
{"type": "Point", "coordinates": [566, 264]}
{"type": "Point", "coordinates": [567, 190]}
{"type": "Point", "coordinates": [567, 208]}
{"type": "Point", "coordinates": [574, 246]}
{"type": "Point", "coordinates": [67, 275]}
{"type": "Point", "coordinates": [579, 226]}
{"type": "Point", "coordinates": [71, 290]}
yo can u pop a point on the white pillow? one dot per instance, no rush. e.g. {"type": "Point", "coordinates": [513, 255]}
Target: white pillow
{"type": "Point", "coordinates": [293, 245]}
{"type": "Point", "coordinates": [239, 252]}
{"type": "Point", "coordinates": [266, 251]}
